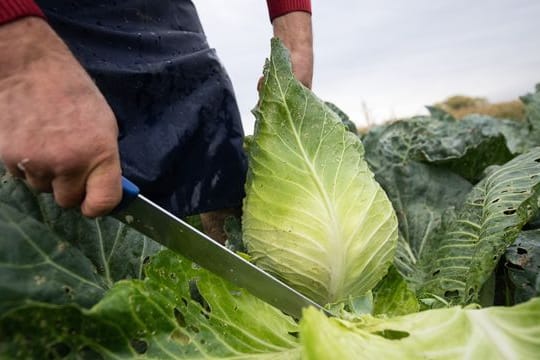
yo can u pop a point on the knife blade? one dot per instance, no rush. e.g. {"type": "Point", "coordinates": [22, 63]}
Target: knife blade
{"type": "Point", "coordinates": [160, 225]}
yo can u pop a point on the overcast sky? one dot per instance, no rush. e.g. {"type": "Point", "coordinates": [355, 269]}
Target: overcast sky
{"type": "Point", "coordinates": [393, 56]}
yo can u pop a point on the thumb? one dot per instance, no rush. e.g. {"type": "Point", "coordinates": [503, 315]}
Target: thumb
{"type": "Point", "coordinates": [103, 190]}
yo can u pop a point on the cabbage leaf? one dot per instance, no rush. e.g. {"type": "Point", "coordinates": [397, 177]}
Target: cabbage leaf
{"type": "Point", "coordinates": [313, 214]}
{"type": "Point", "coordinates": [58, 256]}
{"type": "Point", "coordinates": [454, 333]}
{"type": "Point", "coordinates": [179, 311]}
{"type": "Point", "coordinates": [464, 253]}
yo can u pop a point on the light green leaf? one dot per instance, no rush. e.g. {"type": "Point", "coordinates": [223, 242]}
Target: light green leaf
{"type": "Point", "coordinates": [313, 215]}
{"type": "Point", "coordinates": [455, 333]}
{"type": "Point", "coordinates": [464, 254]}
{"type": "Point", "coordinates": [178, 312]}
{"type": "Point", "coordinates": [393, 297]}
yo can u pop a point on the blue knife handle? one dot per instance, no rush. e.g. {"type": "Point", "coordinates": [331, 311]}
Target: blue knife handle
{"type": "Point", "coordinates": [129, 193]}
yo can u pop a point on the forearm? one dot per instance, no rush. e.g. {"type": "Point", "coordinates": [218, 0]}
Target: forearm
{"type": "Point", "coordinates": [295, 30]}
{"type": "Point", "coordinates": [25, 41]}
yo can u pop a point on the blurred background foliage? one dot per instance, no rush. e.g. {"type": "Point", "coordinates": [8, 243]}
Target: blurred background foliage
{"type": "Point", "coordinates": [460, 106]}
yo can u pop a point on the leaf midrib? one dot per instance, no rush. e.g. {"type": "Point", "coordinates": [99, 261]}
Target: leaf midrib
{"type": "Point", "coordinates": [336, 276]}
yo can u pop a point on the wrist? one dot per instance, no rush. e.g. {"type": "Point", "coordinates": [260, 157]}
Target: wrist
{"type": "Point", "coordinates": [294, 29]}
{"type": "Point", "coordinates": [24, 42]}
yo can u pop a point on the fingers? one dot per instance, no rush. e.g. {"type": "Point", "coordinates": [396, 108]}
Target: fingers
{"type": "Point", "coordinates": [68, 190]}
{"type": "Point", "coordinates": [35, 177]}
{"type": "Point", "coordinates": [14, 170]}
{"type": "Point", "coordinates": [103, 190]}
{"type": "Point", "coordinates": [97, 193]}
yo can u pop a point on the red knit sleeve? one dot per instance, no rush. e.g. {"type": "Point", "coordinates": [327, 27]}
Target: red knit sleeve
{"type": "Point", "coordinates": [14, 9]}
{"type": "Point", "coordinates": [281, 7]}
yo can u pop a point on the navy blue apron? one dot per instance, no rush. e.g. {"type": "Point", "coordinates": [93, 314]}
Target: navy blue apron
{"type": "Point", "coordinates": [180, 130]}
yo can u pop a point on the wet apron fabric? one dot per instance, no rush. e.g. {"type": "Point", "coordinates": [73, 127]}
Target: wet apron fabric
{"type": "Point", "coordinates": [180, 130]}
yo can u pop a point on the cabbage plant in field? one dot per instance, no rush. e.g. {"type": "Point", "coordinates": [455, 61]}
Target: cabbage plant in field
{"type": "Point", "coordinates": [452, 273]}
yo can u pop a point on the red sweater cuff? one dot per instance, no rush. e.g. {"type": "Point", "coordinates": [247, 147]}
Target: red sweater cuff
{"type": "Point", "coordinates": [14, 9]}
{"type": "Point", "coordinates": [281, 7]}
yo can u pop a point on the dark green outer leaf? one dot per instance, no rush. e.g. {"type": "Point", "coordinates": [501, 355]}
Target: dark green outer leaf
{"type": "Point", "coordinates": [465, 147]}
{"type": "Point", "coordinates": [37, 265]}
{"type": "Point", "coordinates": [464, 255]}
{"type": "Point", "coordinates": [421, 194]}
{"type": "Point", "coordinates": [57, 256]}
{"type": "Point", "coordinates": [532, 110]}
{"type": "Point", "coordinates": [522, 263]}
{"type": "Point", "coordinates": [440, 114]}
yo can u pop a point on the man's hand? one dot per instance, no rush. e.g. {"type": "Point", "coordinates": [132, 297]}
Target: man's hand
{"type": "Point", "coordinates": [56, 129]}
{"type": "Point", "coordinates": [294, 29]}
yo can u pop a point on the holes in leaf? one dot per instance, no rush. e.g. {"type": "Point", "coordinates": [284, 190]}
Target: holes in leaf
{"type": "Point", "coordinates": [60, 350]}
{"type": "Point", "coordinates": [146, 260]}
{"type": "Point", "coordinates": [294, 334]}
{"type": "Point", "coordinates": [522, 251]}
{"type": "Point", "coordinates": [179, 336]}
{"type": "Point", "coordinates": [173, 277]}
{"type": "Point", "coordinates": [495, 201]}
{"type": "Point", "coordinates": [478, 201]}
{"type": "Point", "coordinates": [436, 272]}
{"type": "Point", "coordinates": [471, 291]}
{"type": "Point", "coordinates": [205, 314]}
{"type": "Point", "coordinates": [193, 329]}
{"type": "Point", "coordinates": [451, 293]}
{"type": "Point", "coordinates": [509, 211]}
{"type": "Point", "coordinates": [180, 319]}
{"type": "Point", "coordinates": [195, 295]}
{"type": "Point", "coordinates": [537, 160]}
{"type": "Point", "coordinates": [391, 334]}
{"type": "Point", "coordinates": [139, 345]}
{"type": "Point", "coordinates": [511, 265]}
{"type": "Point", "coordinates": [68, 291]}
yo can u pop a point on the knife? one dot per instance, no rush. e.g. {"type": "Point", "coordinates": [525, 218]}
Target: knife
{"type": "Point", "coordinates": [158, 224]}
